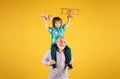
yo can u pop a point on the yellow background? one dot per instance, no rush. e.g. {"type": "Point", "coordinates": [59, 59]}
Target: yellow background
{"type": "Point", "coordinates": [94, 38]}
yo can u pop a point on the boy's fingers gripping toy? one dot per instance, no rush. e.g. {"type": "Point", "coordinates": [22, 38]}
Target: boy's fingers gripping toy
{"type": "Point", "coordinates": [50, 17]}
{"type": "Point", "coordinates": [46, 17]}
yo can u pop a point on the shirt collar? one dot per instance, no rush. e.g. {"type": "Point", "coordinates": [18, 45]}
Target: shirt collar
{"type": "Point", "coordinates": [61, 51]}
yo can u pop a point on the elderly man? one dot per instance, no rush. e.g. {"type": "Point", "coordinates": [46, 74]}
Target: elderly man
{"type": "Point", "coordinates": [61, 71]}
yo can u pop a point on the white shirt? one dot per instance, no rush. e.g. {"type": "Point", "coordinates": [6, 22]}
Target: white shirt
{"type": "Point", "coordinates": [61, 72]}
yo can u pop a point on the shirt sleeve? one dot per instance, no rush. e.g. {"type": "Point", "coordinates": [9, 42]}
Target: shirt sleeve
{"type": "Point", "coordinates": [50, 29]}
{"type": "Point", "coordinates": [64, 27]}
{"type": "Point", "coordinates": [46, 59]}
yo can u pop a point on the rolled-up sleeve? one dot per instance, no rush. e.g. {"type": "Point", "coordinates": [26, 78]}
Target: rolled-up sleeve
{"type": "Point", "coordinates": [46, 59]}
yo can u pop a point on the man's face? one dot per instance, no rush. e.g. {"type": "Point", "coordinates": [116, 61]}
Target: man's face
{"type": "Point", "coordinates": [61, 43]}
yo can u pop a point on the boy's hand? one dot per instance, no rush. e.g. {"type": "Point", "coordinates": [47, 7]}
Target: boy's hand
{"type": "Point", "coordinates": [70, 14]}
{"type": "Point", "coordinates": [44, 16]}
{"type": "Point", "coordinates": [50, 17]}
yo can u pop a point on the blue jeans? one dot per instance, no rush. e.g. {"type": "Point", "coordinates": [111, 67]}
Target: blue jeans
{"type": "Point", "coordinates": [67, 53]}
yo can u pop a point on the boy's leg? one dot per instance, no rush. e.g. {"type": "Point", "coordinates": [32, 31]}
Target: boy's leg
{"type": "Point", "coordinates": [53, 54]}
{"type": "Point", "coordinates": [68, 57]}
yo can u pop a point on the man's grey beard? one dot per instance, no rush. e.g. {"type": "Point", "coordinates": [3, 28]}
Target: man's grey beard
{"type": "Point", "coordinates": [61, 47]}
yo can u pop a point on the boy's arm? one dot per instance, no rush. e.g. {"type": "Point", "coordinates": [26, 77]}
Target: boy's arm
{"type": "Point", "coordinates": [45, 21]}
{"type": "Point", "coordinates": [68, 21]}
{"type": "Point", "coordinates": [70, 15]}
{"type": "Point", "coordinates": [46, 25]}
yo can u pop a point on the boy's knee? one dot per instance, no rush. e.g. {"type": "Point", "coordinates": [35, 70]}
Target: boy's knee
{"type": "Point", "coordinates": [54, 47]}
{"type": "Point", "coordinates": [67, 48]}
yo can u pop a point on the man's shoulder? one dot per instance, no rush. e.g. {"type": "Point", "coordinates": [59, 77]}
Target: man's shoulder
{"type": "Point", "coordinates": [48, 51]}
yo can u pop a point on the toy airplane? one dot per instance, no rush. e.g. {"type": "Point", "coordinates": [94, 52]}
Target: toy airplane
{"type": "Point", "coordinates": [67, 11]}
{"type": "Point", "coordinates": [47, 17]}
{"type": "Point", "coordinates": [70, 12]}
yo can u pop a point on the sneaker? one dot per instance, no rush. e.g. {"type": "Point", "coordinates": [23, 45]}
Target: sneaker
{"type": "Point", "coordinates": [70, 67]}
{"type": "Point", "coordinates": [54, 66]}
{"type": "Point", "coordinates": [66, 67]}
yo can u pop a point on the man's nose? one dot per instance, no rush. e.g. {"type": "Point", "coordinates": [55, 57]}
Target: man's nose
{"type": "Point", "coordinates": [62, 42]}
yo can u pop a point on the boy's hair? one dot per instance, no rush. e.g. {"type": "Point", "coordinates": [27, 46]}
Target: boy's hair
{"type": "Point", "coordinates": [56, 19]}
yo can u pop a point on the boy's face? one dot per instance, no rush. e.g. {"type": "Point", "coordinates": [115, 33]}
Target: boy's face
{"type": "Point", "coordinates": [57, 23]}
{"type": "Point", "coordinates": [61, 43]}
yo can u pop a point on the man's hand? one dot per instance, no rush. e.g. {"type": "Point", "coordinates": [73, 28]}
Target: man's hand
{"type": "Point", "coordinates": [52, 62]}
